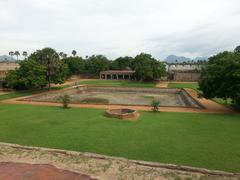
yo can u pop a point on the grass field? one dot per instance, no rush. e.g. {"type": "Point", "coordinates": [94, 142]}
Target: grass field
{"type": "Point", "coordinates": [201, 140]}
{"type": "Point", "coordinates": [193, 85]}
{"type": "Point", "coordinates": [119, 83]}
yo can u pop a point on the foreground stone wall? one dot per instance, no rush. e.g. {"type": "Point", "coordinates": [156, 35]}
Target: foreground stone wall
{"type": "Point", "coordinates": [107, 167]}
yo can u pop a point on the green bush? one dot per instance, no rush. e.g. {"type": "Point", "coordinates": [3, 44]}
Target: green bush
{"type": "Point", "coordinates": [155, 105]}
{"type": "Point", "coordinates": [94, 101]}
{"type": "Point", "coordinates": [66, 101]}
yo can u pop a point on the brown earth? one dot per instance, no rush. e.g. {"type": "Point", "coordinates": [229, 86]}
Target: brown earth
{"type": "Point", "coordinates": [25, 171]}
{"type": "Point", "coordinates": [162, 84]}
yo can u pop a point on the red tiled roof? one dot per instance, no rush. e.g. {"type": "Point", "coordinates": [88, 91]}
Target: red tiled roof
{"type": "Point", "coordinates": [117, 72]}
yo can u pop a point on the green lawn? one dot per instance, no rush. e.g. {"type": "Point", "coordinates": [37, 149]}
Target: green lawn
{"type": "Point", "coordinates": [119, 83]}
{"type": "Point", "coordinates": [201, 140]}
{"type": "Point", "coordinates": [193, 85]}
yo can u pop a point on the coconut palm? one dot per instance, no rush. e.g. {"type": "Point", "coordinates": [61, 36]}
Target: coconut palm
{"type": "Point", "coordinates": [74, 52]}
{"type": "Point", "coordinates": [16, 53]}
{"type": "Point", "coordinates": [25, 54]}
{"type": "Point", "coordinates": [11, 53]}
{"type": "Point", "coordinates": [61, 54]}
{"type": "Point", "coordinates": [64, 55]}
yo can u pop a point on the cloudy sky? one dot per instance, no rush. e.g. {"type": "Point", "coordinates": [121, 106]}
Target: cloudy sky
{"type": "Point", "coordinates": [121, 27]}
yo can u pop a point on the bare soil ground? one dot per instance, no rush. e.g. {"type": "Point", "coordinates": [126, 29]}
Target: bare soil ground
{"type": "Point", "coordinates": [162, 84]}
{"type": "Point", "coordinates": [22, 162]}
{"type": "Point", "coordinates": [25, 171]}
{"type": "Point", "coordinates": [3, 92]}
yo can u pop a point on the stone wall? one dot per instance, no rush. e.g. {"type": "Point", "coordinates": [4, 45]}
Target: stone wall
{"type": "Point", "coordinates": [186, 76]}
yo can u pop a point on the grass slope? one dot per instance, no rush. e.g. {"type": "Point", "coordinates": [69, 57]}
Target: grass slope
{"type": "Point", "coordinates": [193, 85]}
{"type": "Point", "coordinates": [201, 140]}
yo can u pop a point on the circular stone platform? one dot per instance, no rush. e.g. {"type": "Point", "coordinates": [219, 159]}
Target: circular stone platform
{"type": "Point", "coordinates": [128, 114]}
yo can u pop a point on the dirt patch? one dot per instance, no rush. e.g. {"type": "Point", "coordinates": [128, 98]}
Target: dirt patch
{"type": "Point", "coordinates": [4, 92]}
{"type": "Point", "coordinates": [162, 84]}
{"type": "Point", "coordinates": [12, 171]}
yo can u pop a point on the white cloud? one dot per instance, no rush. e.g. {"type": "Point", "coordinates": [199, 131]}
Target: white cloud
{"type": "Point", "coordinates": [126, 27]}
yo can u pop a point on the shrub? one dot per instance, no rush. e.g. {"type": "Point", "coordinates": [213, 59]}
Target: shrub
{"type": "Point", "coordinates": [66, 101]}
{"type": "Point", "coordinates": [94, 101]}
{"type": "Point", "coordinates": [155, 105]}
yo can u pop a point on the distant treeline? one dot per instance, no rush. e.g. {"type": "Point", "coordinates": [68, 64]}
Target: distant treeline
{"type": "Point", "coordinates": [47, 66]}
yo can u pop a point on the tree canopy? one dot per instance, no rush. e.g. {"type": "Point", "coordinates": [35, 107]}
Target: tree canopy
{"type": "Point", "coordinates": [121, 63]}
{"type": "Point", "coordinates": [147, 68]}
{"type": "Point", "coordinates": [237, 49]}
{"type": "Point", "coordinates": [29, 75]}
{"type": "Point", "coordinates": [56, 70]}
{"type": "Point", "coordinates": [40, 68]}
{"type": "Point", "coordinates": [221, 77]}
{"type": "Point", "coordinates": [97, 63]}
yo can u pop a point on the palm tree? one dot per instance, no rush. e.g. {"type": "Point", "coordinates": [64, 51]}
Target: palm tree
{"type": "Point", "coordinates": [11, 53]}
{"type": "Point", "coordinates": [64, 55]}
{"type": "Point", "coordinates": [74, 52]}
{"type": "Point", "coordinates": [25, 54]}
{"type": "Point", "coordinates": [16, 53]}
{"type": "Point", "coordinates": [61, 54]}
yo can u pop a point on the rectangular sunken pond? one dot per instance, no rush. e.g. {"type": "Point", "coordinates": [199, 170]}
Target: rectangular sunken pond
{"type": "Point", "coordinates": [121, 96]}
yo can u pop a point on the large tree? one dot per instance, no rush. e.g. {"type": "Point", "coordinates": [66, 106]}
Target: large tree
{"type": "Point", "coordinates": [97, 63]}
{"type": "Point", "coordinates": [221, 77]}
{"type": "Point", "coordinates": [76, 65]}
{"type": "Point", "coordinates": [29, 75]}
{"type": "Point", "coordinates": [121, 63]}
{"type": "Point", "coordinates": [237, 49]}
{"type": "Point", "coordinates": [56, 71]}
{"type": "Point", "coordinates": [147, 68]}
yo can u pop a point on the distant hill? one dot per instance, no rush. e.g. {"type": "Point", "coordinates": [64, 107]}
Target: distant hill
{"type": "Point", "coordinates": [201, 58]}
{"type": "Point", "coordinates": [6, 58]}
{"type": "Point", "coordinates": [180, 59]}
